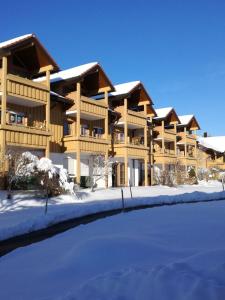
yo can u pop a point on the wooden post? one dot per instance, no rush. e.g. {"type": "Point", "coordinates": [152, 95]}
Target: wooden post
{"type": "Point", "coordinates": [3, 111]}
{"type": "Point", "coordinates": [175, 142]}
{"type": "Point", "coordinates": [163, 144]}
{"type": "Point", "coordinates": [78, 99]}
{"type": "Point", "coordinates": [106, 118]}
{"type": "Point", "coordinates": [163, 138]}
{"type": "Point", "coordinates": [4, 90]}
{"type": "Point", "coordinates": [146, 135]}
{"type": "Point", "coordinates": [47, 112]}
{"type": "Point", "coordinates": [185, 147]}
{"type": "Point", "coordinates": [126, 142]}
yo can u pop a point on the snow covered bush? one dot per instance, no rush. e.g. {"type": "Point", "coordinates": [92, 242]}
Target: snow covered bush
{"type": "Point", "coordinates": [52, 179]}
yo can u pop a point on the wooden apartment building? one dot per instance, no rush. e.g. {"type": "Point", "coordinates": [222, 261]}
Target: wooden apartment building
{"type": "Point", "coordinates": [25, 104]}
{"type": "Point", "coordinates": [75, 114]}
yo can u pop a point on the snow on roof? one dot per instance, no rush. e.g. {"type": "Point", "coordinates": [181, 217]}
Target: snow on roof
{"type": "Point", "coordinates": [8, 43]}
{"type": "Point", "coordinates": [70, 73]}
{"type": "Point", "coordinates": [124, 88]}
{"type": "Point", "coordinates": [163, 112]}
{"type": "Point", "coordinates": [216, 143]}
{"type": "Point", "coordinates": [184, 120]}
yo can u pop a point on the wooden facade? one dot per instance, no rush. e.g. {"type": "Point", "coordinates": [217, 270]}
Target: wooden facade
{"type": "Point", "coordinates": [74, 117]}
{"type": "Point", "coordinates": [25, 104]}
{"type": "Point", "coordinates": [131, 131]}
{"type": "Point", "coordinates": [83, 124]}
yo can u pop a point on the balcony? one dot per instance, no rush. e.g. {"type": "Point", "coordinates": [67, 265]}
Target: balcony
{"type": "Point", "coordinates": [135, 146]}
{"type": "Point", "coordinates": [24, 91]}
{"type": "Point", "coordinates": [166, 152]}
{"type": "Point", "coordinates": [134, 119]}
{"type": "Point", "coordinates": [86, 143]}
{"type": "Point", "coordinates": [25, 132]}
{"type": "Point", "coordinates": [167, 134]}
{"type": "Point", "coordinates": [190, 138]}
{"type": "Point", "coordinates": [90, 109]}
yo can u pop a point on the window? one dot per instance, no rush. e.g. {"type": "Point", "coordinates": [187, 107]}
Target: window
{"type": "Point", "coordinates": [16, 118]}
{"type": "Point", "coordinates": [97, 132]}
{"type": "Point", "coordinates": [66, 128]}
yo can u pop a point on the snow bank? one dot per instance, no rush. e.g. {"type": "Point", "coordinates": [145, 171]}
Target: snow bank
{"type": "Point", "coordinates": [160, 254]}
{"type": "Point", "coordinates": [25, 213]}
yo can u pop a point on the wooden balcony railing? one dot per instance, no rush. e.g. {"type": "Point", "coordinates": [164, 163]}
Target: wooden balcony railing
{"type": "Point", "coordinates": [137, 141]}
{"type": "Point", "coordinates": [25, 136]}
{"type": "Point", "coordinates": [133, 117]}
{"type": "Point", "coordinates": [25, 88]}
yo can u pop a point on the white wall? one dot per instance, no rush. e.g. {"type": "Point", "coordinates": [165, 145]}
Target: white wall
{"type": "Point", "coordinates": [68, 161]}
{"type": "Point", "coordinates": [136, 172]}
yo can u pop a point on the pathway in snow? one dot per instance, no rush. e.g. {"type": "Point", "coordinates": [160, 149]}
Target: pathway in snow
{"type": "Point", "coordinates": [173, 252]}
{"type": "Point", "coordinates": [25, 213]}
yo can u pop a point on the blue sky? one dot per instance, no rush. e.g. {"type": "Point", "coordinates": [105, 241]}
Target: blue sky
{"type": "Point", "coordinates": [176, 48]}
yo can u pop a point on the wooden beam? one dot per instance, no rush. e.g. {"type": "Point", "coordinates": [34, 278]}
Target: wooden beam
{"type": "Point", "coordinates": [78, 104]}
{"type": "Point", "coordinates": [4, 90]}
{"type": "Point", "coordinates": [46, 68]}
{"type": "Point", "coordinates": [47, 112]}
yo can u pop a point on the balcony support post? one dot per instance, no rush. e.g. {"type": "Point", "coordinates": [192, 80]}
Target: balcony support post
{"type": "Point", "coordinates": [4, 90]}
{"type": "Point", "coordinates": [185, 147]}
{"type": "Point", "coordinates": [175, 142]}
{"type": "Point", "coordinates": [125, 123]}
{"type": "Point", "coordinates": [47, 112]}
{"type": "Point", "coordinates": [163, 144]}
{"type": "Point", "coordinates": [106, 117]}
{"type": "Point", "coordinates": [78, 104]}
{"type": "Point", "coordinates": [126, 143]}
{"type": "Point", "coordinates": [3, 106]}
{"type": "Point", "coordinates": [78, 99]}
{"type": "Point", "coordinates": [146, 135]}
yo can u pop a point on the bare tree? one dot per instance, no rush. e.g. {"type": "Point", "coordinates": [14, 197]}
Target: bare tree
{"type": "Point", "coordinates": [102, 168]}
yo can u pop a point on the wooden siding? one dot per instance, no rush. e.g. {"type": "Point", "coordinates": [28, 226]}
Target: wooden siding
{"type": "Point", "coordinates": [26, 89]}
{"type": "Point", "coordinates": [190, 138]}
{"type": "Point", "coordinates": [85, 144]}
{"type": "Point", "coordinates": [138, 152]}
{"type": "Point", "coordinates": [56, 127]}
{"type": "Point", "coordinates": [90, 106]}
{"type": "Point", "coordinates": [25, 137]}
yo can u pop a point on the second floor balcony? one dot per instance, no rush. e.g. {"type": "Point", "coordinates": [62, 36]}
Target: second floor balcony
{"type": "Point", "coordinates": [134, 119]}
{"type": "Point", "coordinates": [161, 133]}
{"type": "Point", "coordinates": [22, 90]}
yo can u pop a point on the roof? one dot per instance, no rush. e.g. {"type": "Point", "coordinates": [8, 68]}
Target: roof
{"type": "Point", "coordinates": [185, 120]}
{"type": "Point", "coordinates": [72, 72]}
{"type": "Point", "coordinates": [75, 73]}
{"type": "Point", "coordinates": [9, 45]}
{"type": "Point", "coordinates": [216, 143]}
{"type": "Point", "coordinates": [162, 113]}
{"type": "Point", "coordinates": [13, 41]}
{"type": "Point", "coordinates": [125, 88]}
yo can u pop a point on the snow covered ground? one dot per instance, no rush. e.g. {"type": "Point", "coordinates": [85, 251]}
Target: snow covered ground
{"type": "Point", "coordinates": [169, 252]}
{"type": "Point", "coordinates": [25, 213]}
